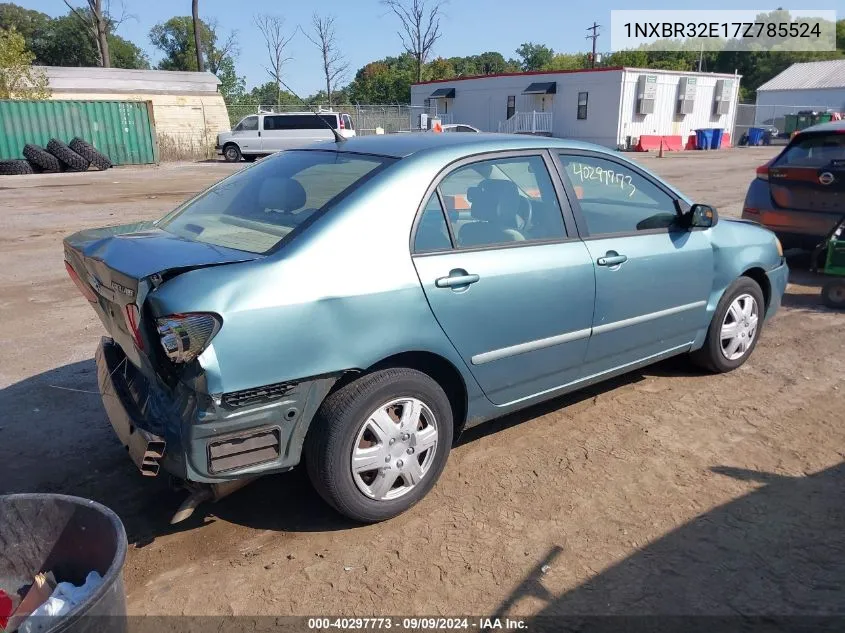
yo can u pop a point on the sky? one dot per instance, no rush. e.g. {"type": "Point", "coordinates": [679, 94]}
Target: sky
{"type": "Point", "coordinates": [367, 30]}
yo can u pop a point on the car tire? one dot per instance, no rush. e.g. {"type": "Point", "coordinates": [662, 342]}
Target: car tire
{"type": "Point", "coordinates": [231, 153]}
{"type": "Point", "coordinates": [718, 354]}
{"type": "Point", "coordinates": [15, 168]}
{"type": "Point", "coordinates": [833, 294]}
{"type": "Point", "coordinates": [41, 159]}
{"type": "Point", "coordinates": [69, 158]}
{"type": "Point", "coordinates": [345, 429]}
{"type": "Point", "coordinates": [90, 153]}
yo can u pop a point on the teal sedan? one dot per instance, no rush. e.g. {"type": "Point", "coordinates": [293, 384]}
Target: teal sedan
{"type": "Point", "coordinates": [356, 305]}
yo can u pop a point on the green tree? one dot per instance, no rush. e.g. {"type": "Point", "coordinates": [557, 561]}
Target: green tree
{"type": "Point", "coordinates": [385, 81]}
{"type": "Point", "coordinates": [567, 61]}
{"type": "Point", "coordinates": [175, 38]}
{"type": "Point", "coordinates": [18, 78]}
{"type": "Point", "coordinates": [493, 63]}
{"type": "Point", "coordinates": [26, 22]}
{"type": "Point", "coordinates": [439, 69]}
{"type": "Point", "coordinates": [232, 86]}
{"type": "Point", "coordinates": [535, 56]}
{"type": "Point", "coordinates": [64, 42]}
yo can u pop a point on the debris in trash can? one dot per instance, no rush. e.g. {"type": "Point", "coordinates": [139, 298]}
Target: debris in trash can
{"type": "Point", "coordinates": [65, 597]}
{"type": "Point", "coordinates": [37, 594]}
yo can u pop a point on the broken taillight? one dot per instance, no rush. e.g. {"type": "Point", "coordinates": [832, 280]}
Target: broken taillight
{"type": "Point", "coordinates": [185, 336]}
{"type": "Point", "coordinates": [133, 318]}
{"type": "Point", "coordinates": [86, 290]}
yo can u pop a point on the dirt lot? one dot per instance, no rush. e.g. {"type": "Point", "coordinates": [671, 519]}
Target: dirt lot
{"type": "Point", "coordinates": [666, 491]}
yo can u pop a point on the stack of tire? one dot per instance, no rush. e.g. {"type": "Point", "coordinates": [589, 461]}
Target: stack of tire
{"type": "Point", "coordinates": [78, 155]}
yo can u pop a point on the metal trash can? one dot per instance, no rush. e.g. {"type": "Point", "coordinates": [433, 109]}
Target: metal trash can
{"type": "Point", "coordinates": [70, 537]}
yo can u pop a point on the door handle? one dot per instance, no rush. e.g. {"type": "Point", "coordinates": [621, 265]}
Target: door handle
{"type": "Point", "coordinates": [456, 279]}
{"type": "Point", "coordinates": [612, 258]}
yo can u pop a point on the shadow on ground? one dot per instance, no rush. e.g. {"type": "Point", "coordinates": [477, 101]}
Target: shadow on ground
{"type": "Point", "coordinates": [778, 551]}
{"type": "Point", "coordinates": [55, 437]}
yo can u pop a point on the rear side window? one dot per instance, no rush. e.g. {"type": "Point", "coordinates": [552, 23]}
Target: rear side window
{"type": "Point", "coordinates": [254, 209]}
{"type": "Point", "coordinates": [347, 122]}
{"type": "Point", "coordinates": [300, 122]}
{"type": "Point", "coordinates": [432, 231]}
{"type": "Point", "coordinates": [814, 150]}
{"type": "Point", "coordinates": [501, 201]}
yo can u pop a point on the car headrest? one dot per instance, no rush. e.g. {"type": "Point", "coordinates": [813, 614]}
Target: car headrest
{"type": "Point", "coordinates": [281, 194]}
{"type": "Point", "coordinates": [496, 201]}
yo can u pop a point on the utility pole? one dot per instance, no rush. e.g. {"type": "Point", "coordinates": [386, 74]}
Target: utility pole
{"type": "Point", "coordinates": [197, 38]}
{"type": "Point", "coordinates": [595, 35]}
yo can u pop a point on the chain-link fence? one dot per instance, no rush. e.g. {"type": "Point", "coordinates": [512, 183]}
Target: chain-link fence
{"type": "Point", "coordinates": [390, 118]}
{"type": "Point", "coordinates": [785, 119]}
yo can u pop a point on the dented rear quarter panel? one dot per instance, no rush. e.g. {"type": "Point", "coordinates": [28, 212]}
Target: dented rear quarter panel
{"type": "Point", "coordinates": [343, 296]}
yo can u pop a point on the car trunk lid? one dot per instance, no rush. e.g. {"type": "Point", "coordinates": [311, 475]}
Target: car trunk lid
{"type": "Point", "coordinates": [123, 264]}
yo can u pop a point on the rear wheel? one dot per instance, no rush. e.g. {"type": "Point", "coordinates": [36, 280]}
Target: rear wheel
{"type": "Point", "coordinates": [735, 328]}
{"type": "Point", "coordinates": [833, 294]}
{"type": "Point", "coordinates": [231, 153]}
{"type": "Point", "coordinates": [378, 445]}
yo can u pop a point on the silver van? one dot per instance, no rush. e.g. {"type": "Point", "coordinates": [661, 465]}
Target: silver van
{"type": "Point", "coordinates": [264, 133]}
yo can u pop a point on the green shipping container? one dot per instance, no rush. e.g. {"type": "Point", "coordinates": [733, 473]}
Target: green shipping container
{"type": "Point", "coordinates": [122, 130]}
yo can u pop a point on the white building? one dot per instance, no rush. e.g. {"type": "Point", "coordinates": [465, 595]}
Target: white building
{"type": "Point", "coordinates": [818, 86]}
{"type": "Point", "coordinates": [186, 109]}
{"type": "Point", "coordinates": [608, 106]}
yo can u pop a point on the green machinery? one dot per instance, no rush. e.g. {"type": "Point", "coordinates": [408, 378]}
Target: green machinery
{"type": "Point", "coordinates": [832, 253]}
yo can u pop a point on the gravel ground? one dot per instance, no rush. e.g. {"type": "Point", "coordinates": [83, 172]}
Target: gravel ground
{"type": "Point", "coordinates": [665, 491]}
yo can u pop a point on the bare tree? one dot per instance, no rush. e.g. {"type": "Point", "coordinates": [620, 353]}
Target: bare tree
{"type": "Point", "coordinates": [195, 10]}
{"type": "Point", "coordinates": [272, 28]}
{"type": "Point", "coordinates": [97, 22]}
{"type": "Point", "coordinates": [334, 64]}
{"type": "Point", "coordinates": [420, 27]}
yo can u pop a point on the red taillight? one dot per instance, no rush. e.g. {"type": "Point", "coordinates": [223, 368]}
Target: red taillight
{"type": "Point", "coordinates": [751, 211]}
{"type": "Point", "coordinates": [86, 290]}
{"type": "Point", "coordinates": [763, 171]}
{"type": "Point", "coordinates": [342, 126]}
{"type": "Point", "coordinates": [133, 318]}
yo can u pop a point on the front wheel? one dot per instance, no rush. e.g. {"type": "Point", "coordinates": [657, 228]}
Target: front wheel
{"type": "Point", "coordinates": [378, 444]}
{"type": "Point", "coordinates": [232, 153]}
{"type": "Point", "coordinates": [735, 328]}
{"type": "Point", "coordinates": [833, 294]}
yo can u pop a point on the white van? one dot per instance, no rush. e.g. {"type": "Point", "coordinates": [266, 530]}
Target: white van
{"type": "Point", "coordinates": [264, 133]}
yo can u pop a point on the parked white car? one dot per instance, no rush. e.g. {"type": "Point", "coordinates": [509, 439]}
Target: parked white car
{"type": "Point", "coordinates": [264, 133]}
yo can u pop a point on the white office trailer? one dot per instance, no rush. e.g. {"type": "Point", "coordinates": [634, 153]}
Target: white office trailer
{"type": "Point", "coordinates": [613, 107]}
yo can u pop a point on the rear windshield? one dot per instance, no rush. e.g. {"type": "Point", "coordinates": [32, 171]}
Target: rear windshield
{"type": "Point", "coordinates": [254, 209]}
{"type": "Point", "coordinates": [814, 150]}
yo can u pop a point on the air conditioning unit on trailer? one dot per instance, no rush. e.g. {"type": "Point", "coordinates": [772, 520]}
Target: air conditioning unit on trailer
{"type": "Point", "coordinates": [723, 94]}
{"type": "Point", "coordinates": [646, 93]}
{"type": "Point", "coordinates": [686, 94]}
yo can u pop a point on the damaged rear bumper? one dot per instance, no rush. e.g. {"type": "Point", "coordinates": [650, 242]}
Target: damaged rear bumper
{"type": "Point", "coordinates": [201, 438]}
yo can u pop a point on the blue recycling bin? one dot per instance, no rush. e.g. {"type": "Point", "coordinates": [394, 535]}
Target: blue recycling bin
{"type": "Point", "coordinates": [755, 135]}
{"type": "Point", "coordinates": [716, 138]}
{"type": "Point", "coordinates": [703, 138]}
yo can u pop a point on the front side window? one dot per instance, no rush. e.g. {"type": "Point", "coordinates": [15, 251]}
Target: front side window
{"type": "Point", "coordinates": [502, 201]}
{"type": "Point", "coordinates": [616, 199]}
{"type": "Point", "coordinates": [248, 124]}
{"type": "Point", "coordinates": [582, 105]}
{"type": "Point", "coordinates": [254, 209]}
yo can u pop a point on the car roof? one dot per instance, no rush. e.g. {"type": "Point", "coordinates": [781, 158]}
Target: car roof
{"type": "Point", "coordinates": [298, 113]}
{"type": "Point", "coordinates": [404, 145]}
{"type": "Point", "coordinates": [830, 126]}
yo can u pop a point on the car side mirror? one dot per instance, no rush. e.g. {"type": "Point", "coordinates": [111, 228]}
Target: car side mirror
{"type": "Point", "coordinates": [702, 216]}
